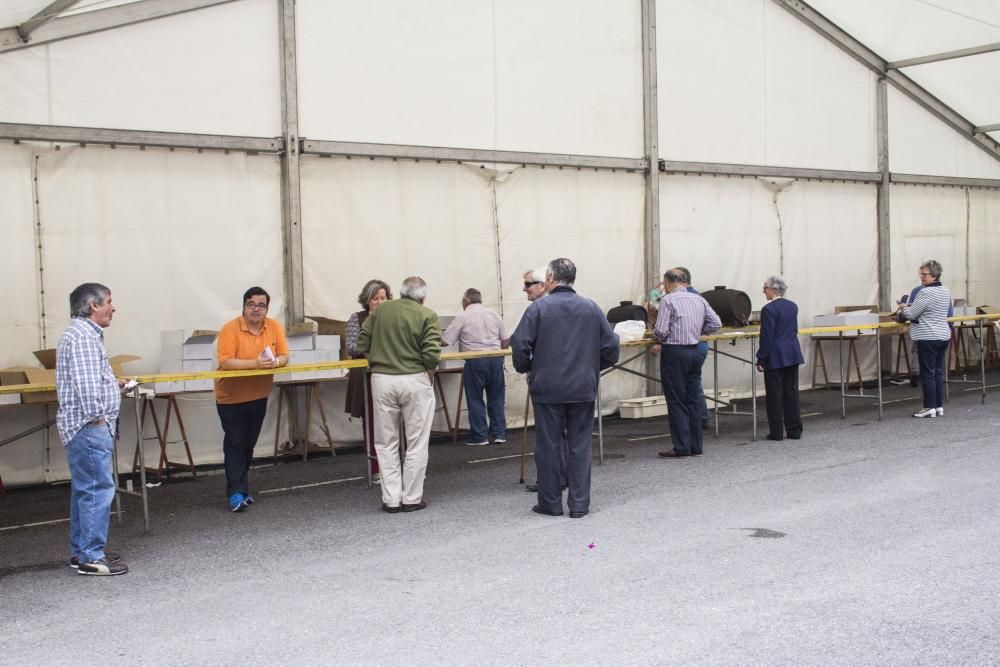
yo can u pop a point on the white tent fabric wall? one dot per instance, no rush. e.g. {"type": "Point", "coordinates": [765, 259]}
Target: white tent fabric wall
{"type": "Point", "coordinates": [559, 76]}
{"type": "Point", "coordinates": [177, 236]}
{"type": "Point", "coordinates": [984, 247]}
{"type": "Point", "coordinates": [767, 105]}
{"type": "Point", "coordinates": [19, 330]}
{"type": "Point", "coordinates": [212, 71]}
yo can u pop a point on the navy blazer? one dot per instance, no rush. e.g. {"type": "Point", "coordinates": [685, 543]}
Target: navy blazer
{"type": "Point", "coordinates": [779, 335]}
{"type": "Point", "coordinates": [564, 341]}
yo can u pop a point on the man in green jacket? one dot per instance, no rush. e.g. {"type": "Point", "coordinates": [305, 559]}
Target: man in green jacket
{"type": "Point", "coordinates": [402, 340]}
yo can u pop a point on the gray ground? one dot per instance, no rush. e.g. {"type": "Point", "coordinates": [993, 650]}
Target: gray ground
{"type": "Point", "coordinates": [864, 543]}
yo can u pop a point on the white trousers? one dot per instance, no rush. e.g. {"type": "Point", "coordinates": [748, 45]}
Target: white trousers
{"type": "Point", "coordinates": [410, 397]}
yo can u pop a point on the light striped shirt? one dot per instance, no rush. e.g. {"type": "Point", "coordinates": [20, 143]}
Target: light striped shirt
{"type": "Point", "coordinates": [683, 318]}
{"type": "Point", "coordinates": [928, 312]}
{"type": "Point", "coordinates": [85, 384]}
{"type": "Point", "coordinates": [476, 328]}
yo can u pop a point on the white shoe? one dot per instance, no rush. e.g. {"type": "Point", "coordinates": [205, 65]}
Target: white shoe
{"type": "Point", "coordinates": [477, 444]}
{"type": "Point", "coordinates": [377, 478]}
{"type": "Point", "coordinates": [926, 412]}
{"type": "Point", "coordinates": [940, 412]}
{"type": "Point", "coordinates": [499, 441]}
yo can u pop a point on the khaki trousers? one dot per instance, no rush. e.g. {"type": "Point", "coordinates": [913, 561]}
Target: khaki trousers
{"type": "Point", "coordinates": [412, 398]}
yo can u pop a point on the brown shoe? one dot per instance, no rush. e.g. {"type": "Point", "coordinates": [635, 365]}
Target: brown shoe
{"type": "Point", "coordinates": [413, 507]}
{"type": "Point", "coordinates": [672, 454]}
{"type": "Point", "coordinates": [390, 509]}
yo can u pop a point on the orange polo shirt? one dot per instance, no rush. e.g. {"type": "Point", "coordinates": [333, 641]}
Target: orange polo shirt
{"type": "Point", "coordinates": [236, 342]}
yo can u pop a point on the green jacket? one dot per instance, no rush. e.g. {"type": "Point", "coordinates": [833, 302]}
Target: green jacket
{"type": "Point", "coordinates": [401, 337]}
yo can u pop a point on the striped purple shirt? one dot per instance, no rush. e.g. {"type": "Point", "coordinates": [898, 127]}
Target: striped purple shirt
{"type": "Point", "coordinates": [684, 317]}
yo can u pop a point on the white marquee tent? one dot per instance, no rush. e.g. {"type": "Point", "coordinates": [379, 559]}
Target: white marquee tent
{"type": "Point", "coordinates": [180, 151]}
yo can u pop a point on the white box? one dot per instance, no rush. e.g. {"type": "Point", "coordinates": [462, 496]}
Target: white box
{"type": "Point", "coordinates": [199, 346]}
{"type": "Point", "coordinates": [330, 355]}
{"type": "Point", "coordinates": [302, 342]}
{"type": "Point", "coordinates": [171, 344]}
{"type": "Point", "coordinates": [328, 342]}
{"type": "Point", "coordinates": [10, 399]}
{"type": "Point", "coordinates": [640, 408]}
{"type": "Point", "coordinates": [198, 366]}
{"type": "Point", "coordinates": [300, 357]}
{"type": "Point", "coordinates": [965, 311]}
{"type": "Point", "coordinates": [168, 387]}
{"type": "Point", "coordinates": [847, 319]}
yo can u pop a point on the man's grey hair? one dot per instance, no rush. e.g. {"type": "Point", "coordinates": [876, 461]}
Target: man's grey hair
{"type": "Point", "coordinates": [777, 283]}
{"type": "Point", "coordinates": [86, 295]}
{"type": "Point", "coordinates": [414, 288]}
{"type": "Point", "coordinates": [687, 274]}
{"type": "Point", "coordinates": [933, 267]}
{"type": "Point", "coordinates": [535, 275]}
{"type": "Point", "coordinates": [676, 275]}
{"type": "Point", "coordinates": [563, 271]}
{"type": "Point", "coordinates": [472, 295]}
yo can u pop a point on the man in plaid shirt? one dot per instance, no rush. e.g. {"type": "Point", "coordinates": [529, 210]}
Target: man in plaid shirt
{"type": "Point", "coordinates": [89, 401]}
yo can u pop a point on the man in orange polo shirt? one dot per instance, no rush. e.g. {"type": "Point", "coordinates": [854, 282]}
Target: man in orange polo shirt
{"type": "Point", "coordinates": [251, 341]}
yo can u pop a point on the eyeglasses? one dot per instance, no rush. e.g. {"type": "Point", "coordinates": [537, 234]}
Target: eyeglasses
{"type": "Point", "coordinates": [923, 275]}
{"type": "Point", "coordinates": [528, 285]}
{"type": "Point", "coordinates": [250, 305]}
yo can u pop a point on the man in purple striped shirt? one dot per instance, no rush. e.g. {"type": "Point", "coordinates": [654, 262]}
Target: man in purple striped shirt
{"type": "Point", "coordinates": [683, 318]}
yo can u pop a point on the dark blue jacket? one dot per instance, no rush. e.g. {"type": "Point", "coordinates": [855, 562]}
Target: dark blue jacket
{"type": "Point", "coordinates": [564, 341]}
{"type": "Point", "coordinates": [779, 335]}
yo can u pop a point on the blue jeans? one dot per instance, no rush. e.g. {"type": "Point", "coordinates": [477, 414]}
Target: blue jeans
{"type": "Point", "coordinates": [485, 374]}
{"type": "Point", "coordinates": [92, 488]}
{"type": "Point", "coordinates": [931, 355]}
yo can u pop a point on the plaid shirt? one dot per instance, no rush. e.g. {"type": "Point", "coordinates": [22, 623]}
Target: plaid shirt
{"type": "Point", "coordinates": [85, 384]}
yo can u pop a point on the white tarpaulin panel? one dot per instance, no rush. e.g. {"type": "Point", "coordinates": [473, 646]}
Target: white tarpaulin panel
{"type": "Point", "coordinates": [928, 223]}
{"type": "Point", "coordinates": [919, 143]}
{"type": "Point", "coordinates": [19, 328]}
{"type": "Point", "coordinates": [210, 71]}
{"type": "Point", "coordinates": [557, 76]}
{"type": "Point", "coordinates": [734, 87]}
{"type": "Point", "coordinates": [969, 84]}
{"type": "Point", "coordinates": [984, 247]}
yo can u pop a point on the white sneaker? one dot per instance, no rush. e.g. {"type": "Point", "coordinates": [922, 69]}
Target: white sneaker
{"type": "Point", "coordinates": [940, 412]}
{"type": "Point", "coordinates": [477, 443]}
{"type": "Point", "coordinates": [499, 441]}
{"type": "Point", "coordinates": [926, 412]}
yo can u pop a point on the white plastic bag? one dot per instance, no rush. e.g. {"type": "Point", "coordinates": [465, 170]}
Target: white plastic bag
{"type": "Point", "coordinates": [630, 331]}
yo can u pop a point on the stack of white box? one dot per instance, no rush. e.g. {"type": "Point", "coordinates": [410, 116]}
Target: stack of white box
{"type": "Point", "coordinates": [853, 317]}
{"type": "Point", "coordinates": [186, 352]}
{"type": "Point", "coordinates": [310, 348]}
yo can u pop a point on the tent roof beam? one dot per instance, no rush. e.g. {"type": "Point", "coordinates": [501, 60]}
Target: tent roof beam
{"type": "Point", "coordinates": [879, 65]}
{"type": "Point", "coordinates": [988, 128]}
{"type": "Point", "coordinates": [51, 11]}
{"type": "Point", "coordinates": [726, 169]}
{"type": "Point", "coordinates": [141, 138]}
{"type": "Point", "coordinates": [946, 55]}
{"type": "Point", "coordinates": [98, 20]}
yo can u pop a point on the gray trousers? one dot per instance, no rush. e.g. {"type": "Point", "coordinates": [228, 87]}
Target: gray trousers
{"type": "Point", "coordinates": [552, 420]}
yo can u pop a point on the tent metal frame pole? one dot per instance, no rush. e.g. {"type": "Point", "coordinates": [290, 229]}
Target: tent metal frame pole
{"type": "Point", "coordinates": [291, 196]}
{"type": "Point", "coordinates": [726, 169]}
{"type": "Point", "coordinates": [882, 197]}
{"type": "Point", "coordinates": [52, 10]}
{"type": "Point", "coordinates": [442, 154]}
{"type": "Point", "coordinates": [99, 20]}
{"type": "Point", "coordinates": [945, 55]}
{"type": "Point", "coordinates": [651, 145]}
{"type": "Point", "coordinates": [952, 181]}
{"type": "Point", "coordinates": [139, 138]}
{"type": "Point", "coordinates": [879, 65]}
{"type": "Point", "coordinates": [988, 128]}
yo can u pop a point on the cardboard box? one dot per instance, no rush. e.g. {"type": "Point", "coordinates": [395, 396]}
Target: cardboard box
{"type": "Point", "coordinates": [199, 345]}
{"type": "Point", "coordinates": [301, 343]}
{"type": "Point", "coordinates": [988, 310]}
{"type": "Point", "coordinates": [329, 342]}
{"type": "Point", "coordinates": [307, 328]}
{"type": "Point", "coordinates": [963, 311]}
{"type": "Point", "coordinates": [329, 355]}
{"type": "Point", "coordinates": [170, 366]}
{"type": "Point", "coordinates": [47, 375]}
{"type": "Point", "coordinates": [198, 366]}
{"type": "Point", "coordinates": [39, 376]}
{"type": "Point", "coordinates": [9, 376]}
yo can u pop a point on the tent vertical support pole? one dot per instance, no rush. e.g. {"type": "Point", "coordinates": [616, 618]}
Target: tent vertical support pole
{"type": "Point", "coordinates": [884, 257]}
{"type": "Point", "coordinates": [651, 217]}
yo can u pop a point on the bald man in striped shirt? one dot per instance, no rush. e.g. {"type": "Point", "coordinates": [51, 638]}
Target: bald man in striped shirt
{"type": "Point", "coordinates": [683, 318]}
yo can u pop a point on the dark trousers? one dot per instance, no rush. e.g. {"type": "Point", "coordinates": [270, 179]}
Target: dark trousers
{"type": "Point", "coordinates": [703, 405]}
{"type": "Point", "coordinates": [241, 424]}
{"type": "Point", "coordinates": [782, 387]}
{"type": "Point", "coordinates": [931, 354]}
{"type": "Point", "coordinates": [680, 374]}
{"type": "Point", "coordinates": [485, 375]}
{"type": "Point", "coordinates": [552, 421]}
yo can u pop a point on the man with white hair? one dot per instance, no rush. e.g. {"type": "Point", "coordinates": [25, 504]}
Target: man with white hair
{"type": "Point", "coordinates": [534, 284]}
{"type": "Point", "coordinates": [402, 340]}
{"type": "Point", "coordinates": [563, 340]}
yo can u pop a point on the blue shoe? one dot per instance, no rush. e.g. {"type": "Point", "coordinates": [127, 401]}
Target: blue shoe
{"type": "Point", "coordinates": [237, 502]}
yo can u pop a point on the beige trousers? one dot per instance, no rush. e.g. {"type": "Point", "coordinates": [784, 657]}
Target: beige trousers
{"type": "Point", "coordinates": [410, 397]}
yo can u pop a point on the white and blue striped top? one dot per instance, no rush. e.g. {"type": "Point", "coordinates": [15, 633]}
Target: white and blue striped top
{"type": "Point", "coordinates": [928, 312]}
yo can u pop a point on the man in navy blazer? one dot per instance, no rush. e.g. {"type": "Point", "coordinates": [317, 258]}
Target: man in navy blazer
{"type": "Point", "coordinates": [563, 341]}
{"type": "Point", "coordinates": [779, 357]}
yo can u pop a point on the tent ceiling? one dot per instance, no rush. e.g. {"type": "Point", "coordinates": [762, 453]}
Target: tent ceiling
{"type": "Point", "coordinates": [894, 29]}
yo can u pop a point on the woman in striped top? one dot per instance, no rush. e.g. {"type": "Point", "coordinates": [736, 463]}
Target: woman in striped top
{"type": "Point", "coordinates": [929, 330]}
